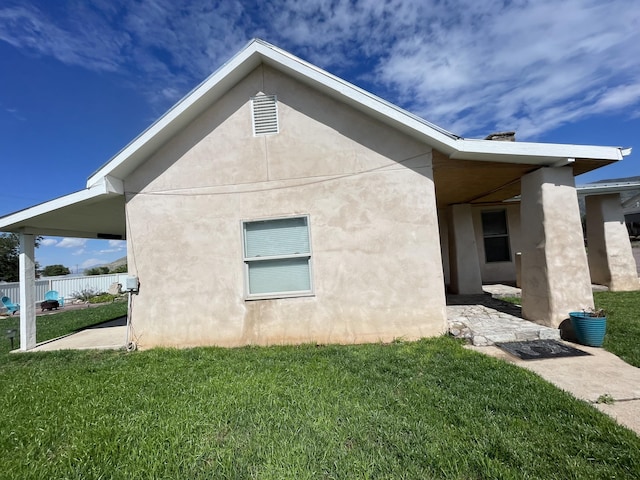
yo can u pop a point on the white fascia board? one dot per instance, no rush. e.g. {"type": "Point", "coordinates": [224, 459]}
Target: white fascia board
{"type": "Point", "coordinates": [100, 189]}
{"type": "Point", "coordinates": [357, 97]}
{"type": "Point", "coordinates": [534, 153]}
{"type": "Point", "coordinates": [256, 52]}
{"type": "Point", "coordinates": [178, 116]}
{"type": "Point", "coordinates": [602, 188]}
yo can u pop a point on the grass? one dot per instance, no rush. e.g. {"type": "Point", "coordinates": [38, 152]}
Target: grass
{"type": "Point", "coordinates": [427, 409]}
{"type": "Point", "coordinates": [514, 300]}
{"type": "Point", "coordinates": [60, 323]}
{"type": "Point", "coordinates": [623, 324]}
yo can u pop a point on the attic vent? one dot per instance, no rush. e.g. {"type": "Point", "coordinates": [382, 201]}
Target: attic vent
{"type": "Point", "coordinates": [265, 114]}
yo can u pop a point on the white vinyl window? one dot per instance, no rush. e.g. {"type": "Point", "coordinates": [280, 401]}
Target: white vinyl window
{"type": "Point", "coordinates": [277, 257]}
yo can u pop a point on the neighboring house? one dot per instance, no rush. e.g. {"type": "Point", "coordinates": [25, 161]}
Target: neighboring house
{"type": "Point", "coordinates": [629, 190]}
{"type": "Point", "coordinates": [631, 210]}
{"type": "Point", "coordinates": [290, 206]}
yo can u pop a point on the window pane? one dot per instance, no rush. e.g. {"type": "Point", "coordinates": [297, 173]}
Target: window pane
{"type": "Point", "coordinates": [494, 223]}
{"type": "Point", "coordinates": [496, 249]}
{"type": "Point", "coordinates": [286, 275]}
{"type": "Point", "coordinates": [286, 236]}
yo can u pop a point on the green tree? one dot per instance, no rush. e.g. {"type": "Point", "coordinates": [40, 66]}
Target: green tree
{"type": "Point", "coordinates": [9, 256]}
{"type": "Point", "coordinates": [120, 269]}
{"type": "Point", "coordinates": [97, 271]}
{"type": "Point", "coordinates": [54, 270]}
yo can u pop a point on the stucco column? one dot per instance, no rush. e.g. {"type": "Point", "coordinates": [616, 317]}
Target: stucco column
{"type": "Point", "coordinates": [610, 257]}
{"type": "Point", "coordinates": [464, 264]}
{"type": "Point", "coordinates": [555, 274]}
{"type": "Point", "coordinates": [27, 268]}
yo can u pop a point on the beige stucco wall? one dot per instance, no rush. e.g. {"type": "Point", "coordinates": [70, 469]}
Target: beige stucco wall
{"type": "Point", "coordinates": [610, 256]}
{"type": "Point", "coordinates": [490, 272]}
{"type": "Point", "coordinates": [369, 194]}
{"type": "Point", "coordinates": [464, 267]}
{"type": "Point", "coordinates": [443, 225]}
{"type": "Point", "coordinates": [555, 278]}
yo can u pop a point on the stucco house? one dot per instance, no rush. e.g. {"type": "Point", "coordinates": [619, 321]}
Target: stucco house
{"type": "Point", "coordinates": [291, 206]}
{"type": "Point", "coordinates": [629, 190]}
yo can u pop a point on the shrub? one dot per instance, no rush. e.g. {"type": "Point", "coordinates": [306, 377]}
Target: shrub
{"type": "Point", "coordinates": [97, 271]}
{"type": "Point", "coordinates": [85, 294]}
{"type": "Point", "coordinates": [102, 298]}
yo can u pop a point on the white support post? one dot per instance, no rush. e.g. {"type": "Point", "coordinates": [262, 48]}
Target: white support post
{"type": "Point", "coordinates": [27, 292]}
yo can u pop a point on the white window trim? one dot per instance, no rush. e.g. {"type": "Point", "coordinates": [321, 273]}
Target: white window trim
{"type": "Point", "coordinates": [246, 260]}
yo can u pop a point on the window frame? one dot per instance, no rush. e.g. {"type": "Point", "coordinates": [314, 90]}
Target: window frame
{"type": "Point", "coordinates": [248, 260]}
{"type": "Point", "coordinates": [506, 235]}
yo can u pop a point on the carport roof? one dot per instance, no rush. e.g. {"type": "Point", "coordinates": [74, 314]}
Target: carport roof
{"type": "Point", "coordinates": [98, 211]}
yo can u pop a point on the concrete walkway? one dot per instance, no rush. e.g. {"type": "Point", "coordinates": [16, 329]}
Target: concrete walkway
{"type": "Point", "coordinates": [105, 336]}
{"type": "Point", "coordinates": [590, 378]}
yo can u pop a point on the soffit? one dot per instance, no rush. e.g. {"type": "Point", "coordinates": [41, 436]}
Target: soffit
{"type": "Point", "coordinates": [101, 216]}
{"type": "Point", "coordinates": [480, 182]}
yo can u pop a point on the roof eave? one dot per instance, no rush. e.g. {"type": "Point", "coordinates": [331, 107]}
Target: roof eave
{"type": "Point", "coordinates": [602, 188]}
{"type": "Point", "coordinates": [255, 53]}
{"type": "Point", "coordinates": [543, 154]}
{"type": "Point", "coordinates": [258, 51]}
{"type": "Point", "coordinates": [108, 186]}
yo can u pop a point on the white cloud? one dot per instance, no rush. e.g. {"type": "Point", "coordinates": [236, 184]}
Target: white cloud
{"type": "Point", "coordinates": [117, 244]}
{"type": "Point", "coordinates": [72, 242]}
{"type": "Point", "coordinates": [516, 65]}
{"type": "Point", "coordinates": [48, 242]}
{"type": "Point", "coordinates": [74, 41]}
{"type": "Point", "coordinates": [469, 66]}
{"type": "Point", "coordinates": [91, 262]}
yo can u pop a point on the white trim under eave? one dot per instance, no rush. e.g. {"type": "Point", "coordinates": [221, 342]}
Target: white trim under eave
{"type": "Point", "coordinates": [258, 51]}
{"type": "Point", "coordinates": [170, 122]}
{"type": "Point", "coordinates": [107, 186]}
{"type": "Point", "coordinates": [591, 189]}
{"type": "Point", "coordinates": [255, 53]}
{"type": "Point", "coordinates": [528, 152]}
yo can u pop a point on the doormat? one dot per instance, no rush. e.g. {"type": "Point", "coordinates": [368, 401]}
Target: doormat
{"type": "Point", "coordinates": [539, 349]}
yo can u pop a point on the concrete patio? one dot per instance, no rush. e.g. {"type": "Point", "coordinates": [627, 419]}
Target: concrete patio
{"type": "Point", "coordinates": [105, 336]}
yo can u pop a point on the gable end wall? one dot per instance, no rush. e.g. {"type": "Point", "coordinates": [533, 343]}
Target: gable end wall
{"type": "Point", "coordinates": [369, 194]}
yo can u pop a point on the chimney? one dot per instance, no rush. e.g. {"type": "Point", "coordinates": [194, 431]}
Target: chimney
{"type": "Point", "coordinates": [502, 137]}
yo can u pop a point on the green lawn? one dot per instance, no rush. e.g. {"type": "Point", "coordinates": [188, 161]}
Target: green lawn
{"type": "Point", "coordinates": [428, 409]}
{"type": "Point", "coordinates": [60, 323]}
{"type": "Point", "coordinates": [623, 324]}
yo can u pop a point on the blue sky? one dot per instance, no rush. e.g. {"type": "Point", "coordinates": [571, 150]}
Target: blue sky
{"type": "Point", "coordinates": [80, 79]}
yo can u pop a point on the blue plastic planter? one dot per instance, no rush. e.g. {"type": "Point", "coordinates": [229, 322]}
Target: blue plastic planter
{"type": "Point", "coordinates": [589, 330]}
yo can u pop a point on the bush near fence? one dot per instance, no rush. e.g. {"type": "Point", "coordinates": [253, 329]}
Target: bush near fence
{"type": "Point", "coordinates": [65, 285]}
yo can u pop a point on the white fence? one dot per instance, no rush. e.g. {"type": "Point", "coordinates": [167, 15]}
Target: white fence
{"type": "Point", "coordinates": [65, 285]}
